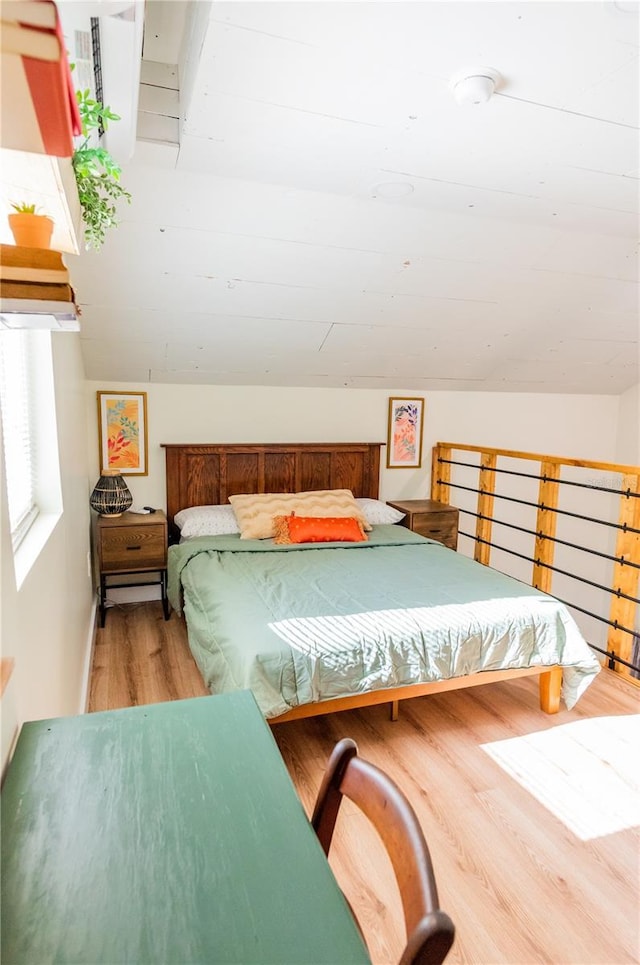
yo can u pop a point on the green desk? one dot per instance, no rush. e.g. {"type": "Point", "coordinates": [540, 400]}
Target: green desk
{"type": "Point", "coordinates": [164, 834]}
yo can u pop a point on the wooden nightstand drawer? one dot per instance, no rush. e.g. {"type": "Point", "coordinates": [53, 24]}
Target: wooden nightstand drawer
{"type": "Point", "coordinates": [125, 547]}
{"type": "Point", "coordinates": [440, 526]}
{"type": "Point", "coordinates": [431, 519]}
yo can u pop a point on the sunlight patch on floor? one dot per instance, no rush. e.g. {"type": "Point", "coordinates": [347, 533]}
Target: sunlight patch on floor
{"type": "Point", "coordinates": [586, 773]}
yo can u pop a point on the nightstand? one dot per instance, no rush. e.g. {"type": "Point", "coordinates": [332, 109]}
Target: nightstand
{"type": "Point", "coordinates": [132, 543]}
{"type": "Point", "coordinates": [429, 518]}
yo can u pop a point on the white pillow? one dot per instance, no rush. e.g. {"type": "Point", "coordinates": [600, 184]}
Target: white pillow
{"type": "Point", "coordinates": [378, 513]}
{"type": "Point", "coordinates": [206, 521]}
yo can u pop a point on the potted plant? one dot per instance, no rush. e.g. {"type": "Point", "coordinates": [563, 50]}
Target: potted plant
{"type": "Point", "coordinates": [28, 228]}
{"type": "Point", "coordinates": [97, 174]}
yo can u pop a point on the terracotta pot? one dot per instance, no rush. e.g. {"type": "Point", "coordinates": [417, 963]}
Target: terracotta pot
{"type": "Point", "coordinates": [31, 230]}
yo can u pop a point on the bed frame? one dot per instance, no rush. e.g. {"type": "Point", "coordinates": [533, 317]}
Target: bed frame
{"type": "Point", "coordinates": [207, 474]}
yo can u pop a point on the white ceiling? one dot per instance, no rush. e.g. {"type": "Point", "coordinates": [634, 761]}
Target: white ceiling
{"type": "Point", "coordinates": [262, 251]}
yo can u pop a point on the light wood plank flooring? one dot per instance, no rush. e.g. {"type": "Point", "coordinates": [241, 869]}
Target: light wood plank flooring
{"type": "Point", "coordinates": [535, 863]}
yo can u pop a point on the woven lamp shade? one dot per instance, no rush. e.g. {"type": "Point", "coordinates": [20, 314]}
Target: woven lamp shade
{"type": "Point", "coordinates": [111, 496]}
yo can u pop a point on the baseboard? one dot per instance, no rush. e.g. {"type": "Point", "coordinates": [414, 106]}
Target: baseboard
{"type": "Point", "coordinates": [88, 658]}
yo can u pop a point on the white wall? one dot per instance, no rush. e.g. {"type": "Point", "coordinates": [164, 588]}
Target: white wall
{"type": "Point", "coordinates": [46, 625]}
{"type": "Point", "coordinates": [628, 443]}
{"type": "Point", "coordinates": [571, 425]}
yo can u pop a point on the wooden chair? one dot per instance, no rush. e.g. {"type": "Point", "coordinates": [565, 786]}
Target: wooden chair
{"type": "Point", "coordinates": [429, 930]}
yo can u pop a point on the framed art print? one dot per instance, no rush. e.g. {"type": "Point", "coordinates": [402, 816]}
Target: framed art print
{"type": "Point", "coordinates": [122, 423]}
{"type": "Point", "coordinates": [404, 440]}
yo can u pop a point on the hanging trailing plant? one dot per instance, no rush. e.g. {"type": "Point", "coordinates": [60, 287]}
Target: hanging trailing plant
{"type": "Point", "coordinates": [97, 173]}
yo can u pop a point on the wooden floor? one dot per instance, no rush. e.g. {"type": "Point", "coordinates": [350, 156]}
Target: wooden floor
{"type": "Point", "coordinates": [540, 867]}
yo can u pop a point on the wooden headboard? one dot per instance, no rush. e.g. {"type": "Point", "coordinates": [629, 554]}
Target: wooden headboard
{"type": "Point", "coordinates": [205, 475]}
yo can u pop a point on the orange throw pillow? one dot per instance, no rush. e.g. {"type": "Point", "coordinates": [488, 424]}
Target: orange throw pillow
{"type": "Point", "coordinates": [320, 529]}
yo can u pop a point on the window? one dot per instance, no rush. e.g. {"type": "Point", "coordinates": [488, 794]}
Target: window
{"type": "Point", "coordinates": [18, 429]}
{"type": "Point", "coordinates": [30, 437]}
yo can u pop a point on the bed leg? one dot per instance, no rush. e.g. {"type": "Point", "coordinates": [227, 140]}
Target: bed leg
{"type": "Point", "coordinates": [550, 686]}
{"type": "Point", "coordinates": [393, 709]}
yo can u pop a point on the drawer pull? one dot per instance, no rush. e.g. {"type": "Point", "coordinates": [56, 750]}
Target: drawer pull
{"type": "Point", "coordinates": [131, 548]}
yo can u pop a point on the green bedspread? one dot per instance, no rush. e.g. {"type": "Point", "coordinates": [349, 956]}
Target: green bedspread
{"type": "Point", "coordinates": [299, 624]}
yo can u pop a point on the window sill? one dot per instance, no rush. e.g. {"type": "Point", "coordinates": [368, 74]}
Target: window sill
{"type": "Point", "coordinates": [33, 544]}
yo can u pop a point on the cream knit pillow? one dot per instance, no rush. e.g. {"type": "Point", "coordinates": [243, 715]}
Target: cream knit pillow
{"type": "Point", "coordinates": [255, 511]}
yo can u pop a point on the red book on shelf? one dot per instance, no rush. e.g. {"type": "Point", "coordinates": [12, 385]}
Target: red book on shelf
{"type": "Point", "coordinates": [39, 108]}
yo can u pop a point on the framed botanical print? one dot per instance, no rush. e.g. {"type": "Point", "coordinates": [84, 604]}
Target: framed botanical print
{"type": "Point", "coordinates": [122, 422]}
{"type": "Point", "coordinates": [404, 439]}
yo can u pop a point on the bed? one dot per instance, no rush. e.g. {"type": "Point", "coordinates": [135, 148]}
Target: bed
{"type": "Point", "coordinates": [313, 628]}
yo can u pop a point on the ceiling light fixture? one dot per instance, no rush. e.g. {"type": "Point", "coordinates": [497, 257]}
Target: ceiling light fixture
{"type": "Point", "coordinates": [475, 86]}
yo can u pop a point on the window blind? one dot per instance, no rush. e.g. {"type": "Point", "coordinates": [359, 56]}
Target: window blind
{"type": "Point", "coordinates": [17, 391]}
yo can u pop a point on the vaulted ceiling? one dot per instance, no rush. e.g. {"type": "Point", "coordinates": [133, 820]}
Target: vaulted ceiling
{"type": "Point", "coordinates": [326, 214]}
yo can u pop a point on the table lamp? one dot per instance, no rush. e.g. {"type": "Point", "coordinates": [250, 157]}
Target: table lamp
{"type": "Point", "coordinates": [111, 495]}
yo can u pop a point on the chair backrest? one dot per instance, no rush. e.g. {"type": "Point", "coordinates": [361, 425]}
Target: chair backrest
{"type": "Point", "coordinates": [429, 930]}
